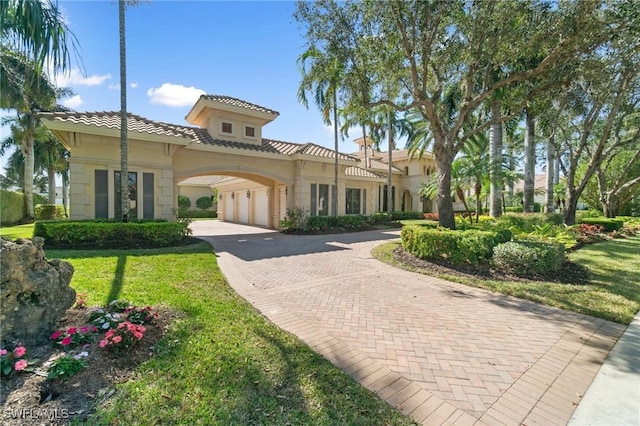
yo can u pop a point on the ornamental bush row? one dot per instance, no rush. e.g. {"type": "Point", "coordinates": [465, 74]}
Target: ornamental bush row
{"type": "Point", "coordinates": [526, 258]}
{"type": "Point", "coordinates": [110, 234]}
{"type": "Point", "coordinates": [609, 225]}
{"type": "Point", "coordinates": [458, 247]}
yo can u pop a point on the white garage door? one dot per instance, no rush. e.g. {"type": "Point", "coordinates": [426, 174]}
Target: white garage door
{"type": "Point", "coordinates": [243, 207]}
{"type": "Point", "coordinates": [261, 206]}
{"type": "Point", "coordinates": [228, 208]}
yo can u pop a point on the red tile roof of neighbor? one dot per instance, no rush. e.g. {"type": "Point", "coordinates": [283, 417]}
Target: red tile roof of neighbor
{"type": "Point", "coordinates": [360, 172]}
{"type": "Point", "coordinates": [135, 123]}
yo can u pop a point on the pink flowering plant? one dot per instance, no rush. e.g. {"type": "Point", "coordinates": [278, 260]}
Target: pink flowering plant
{"type": "Point", "coordinates": [11, 361]}
{"type": "Point", "coordinates": [74, 336]}
{"type": "Point", "coordinates": [122, 337]}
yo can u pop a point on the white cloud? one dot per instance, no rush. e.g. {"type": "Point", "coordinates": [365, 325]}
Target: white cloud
{"type": "Point", "coordinates": [174, 95]}
{"type": "Point", "coordinates": [133, 85]}
{"type": "Point", "coordinates": [114, 86]}
{"type": "Point", "coordinates": [74, 77]}
{"type": "Point", "coordinates": [73, 102]}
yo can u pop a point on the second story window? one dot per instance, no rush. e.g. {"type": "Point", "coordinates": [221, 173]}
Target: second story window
{"type": "Point", "coordinates": [227, 128]}
{"type": "Point", "coordinates": [250, 131]}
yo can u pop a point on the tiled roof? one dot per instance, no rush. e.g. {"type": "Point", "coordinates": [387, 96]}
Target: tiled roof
{"type": "Point", "coordinates": [111, 119]}
{"type": "Point", "coordinates": [201, 180]}
{"type": "Point", "coordinates": [360, 172]}
{"type": "Point", "coordinates": [379, 165]}
{"type": "Point", "coordinates": [239, 103]}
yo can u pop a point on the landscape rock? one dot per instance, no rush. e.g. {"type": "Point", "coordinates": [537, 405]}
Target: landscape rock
{"type": "Point", "coordinates": [34, 291]}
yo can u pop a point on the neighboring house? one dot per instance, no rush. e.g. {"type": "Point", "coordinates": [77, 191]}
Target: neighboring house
{"type": "Point", "coordinates": [262, 177]}
{"type": "Point", "coordinates": [539, 188]}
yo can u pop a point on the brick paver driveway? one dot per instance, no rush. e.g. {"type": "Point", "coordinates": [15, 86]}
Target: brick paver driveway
{"type": "Point", "coordinates": [441, 352]}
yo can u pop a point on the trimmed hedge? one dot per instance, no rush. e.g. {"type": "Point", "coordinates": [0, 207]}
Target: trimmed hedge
{"type": "Point", "coordinates": [459, 247]}
{"type": "Point", "coordinates": [204, 203]}
{"type": "Point", "coordinates": [609, 225]}
{"type": "Point", "coordinates": [48, 212]}
{"type": "Point", "coordinates": [526, 258]}
{"type": "Point", "coordinates": [184, 203]}
{"type": "Point", "coordinates": [208, 214]}
{"type": "Point", "coordinates": [406, 215]}
{"type": "Point", "coordinates": [110, 234]}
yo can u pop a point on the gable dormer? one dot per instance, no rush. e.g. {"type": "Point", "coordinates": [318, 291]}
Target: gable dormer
{"type": "Point", "coordinates": [230, 118]}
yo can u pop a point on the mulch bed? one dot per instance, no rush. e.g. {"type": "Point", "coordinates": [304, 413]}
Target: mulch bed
{"type": "Point", "coordinates": [31, 398]}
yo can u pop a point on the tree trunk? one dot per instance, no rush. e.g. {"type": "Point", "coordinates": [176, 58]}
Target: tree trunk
{"type": "Point", "coordinates": [51, 177]}
{"type": "Point", "coordinates": [495, 158]}
{"type": "Point", "coordinates": [335, 141]}
{"type": "Point", "coordinates": [28, 154]}
{"type": "Point", "coordinates": [529, 163]}
{"type": "Point", "coordinates": [571, 205]}
{"type": "Point", "coordinates": [444, 159]}
{"type": "Point", "coordinates": [549, 206]}
{"type": "Point", "coordinates": [124, 144]}
{"type": "Point", "coordinates": [478, 190]}
{"type": "Point", "coordinates": [65, 199]}
{"type": "Point", "coordinates": [390, 154]}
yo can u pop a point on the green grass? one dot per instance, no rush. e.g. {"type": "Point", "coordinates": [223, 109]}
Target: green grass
{"type": "Point", "coordinates": [613, 293]}
{"type": "Point", "coordinates": [18, 231]}
{"type": "Point", "coordinates": [221, 362]}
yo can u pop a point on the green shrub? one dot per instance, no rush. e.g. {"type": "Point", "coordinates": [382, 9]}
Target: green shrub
{"type": "Point", "coordinates": [526, 258]}
{"type": "Point", "coordinates": [320, 223]}
{"type": "Point", "coordinates": [355, 221]}
{"type": "Point", "coordinates": [202, 214]}
{"type": "Point", "coordinates": [609, 225]}
{"type": "Point", "coordinates": [459, 247]}
{"type": "Point", "coordinates": [380, 218]}
{"type": "Point", "coordinates": [204, 203]}
{"type": "Point", "coordinates": [184, 203]}
{"type": "Point", "coordinates": [110, 234]}
{"type": "Point", "coordinates": [406, 215]}
{"type": "Point", "coordinates": [514, 209]}
{"type": "Point", "coordinates": [295, 220]}
{"type": "Point", "coordinates": [48, 212]}
{"type": "Point", "coordinates": [11, 207]}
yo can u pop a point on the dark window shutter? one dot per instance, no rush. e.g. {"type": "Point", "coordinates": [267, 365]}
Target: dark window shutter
{"type": "Point", "coordinates": [147, 196]}
{"type": "Point", "coordinates": [314, 210]}
{"type": "Point", "coordinates": [101, 194]}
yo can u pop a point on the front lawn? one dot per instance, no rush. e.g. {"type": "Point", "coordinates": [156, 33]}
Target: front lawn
{"type": "Point", "coordinates": [612, 294]}
{"type": "Point", "coordinates": [222, 362]}
{"type": "Point", "coordinates": [18, 231]}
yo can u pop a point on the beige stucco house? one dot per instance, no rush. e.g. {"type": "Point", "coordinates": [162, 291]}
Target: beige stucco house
{"type": "Point", "coordinates": [262, 177]}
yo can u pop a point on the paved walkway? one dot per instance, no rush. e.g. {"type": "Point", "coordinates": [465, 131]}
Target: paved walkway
{"type": "Point", "coordinates": [440, 352]}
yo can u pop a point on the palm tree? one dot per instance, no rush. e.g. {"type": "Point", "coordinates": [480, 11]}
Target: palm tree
{"type": "Point", "coordinates": [459, 186]}
{"type": "Point", "coordinates": [474, 163]}
{"type": "Point", "coordinates": [323, 80]}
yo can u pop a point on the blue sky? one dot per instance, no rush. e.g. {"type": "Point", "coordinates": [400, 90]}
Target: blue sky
{"type": "Point", "coordinates": [177, 50]}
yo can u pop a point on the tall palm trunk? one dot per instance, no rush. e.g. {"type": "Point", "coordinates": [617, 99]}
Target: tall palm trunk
{"type": "Point", "coordinates": [390, 154]}
{"type": "Point", "coordinates": [335, 140]}
{"type": "Point", "coordinates": [529, 162]}
{"type": "Point", "coordinates": [124, 144]}
{"type": "Point", "coordinates": [495, 159]}
{"type": "Point", "coordinates": [51, 177]}
{"type": "Point", "coordinates": [364, 137]}
{"type": "Point", "coordinates": [549, 206]}
{"type": "Point", "coordinates": [28, 154]}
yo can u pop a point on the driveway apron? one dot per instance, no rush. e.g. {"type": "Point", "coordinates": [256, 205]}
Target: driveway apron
{"type": "Point", "coordinates": [441, 352]}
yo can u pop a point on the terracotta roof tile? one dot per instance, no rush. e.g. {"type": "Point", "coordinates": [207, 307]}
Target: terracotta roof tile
{"type": "Point", "coordinates": [201, 180]}
{"type": "Point", "coordinates": [379, 165]}
{"type": "Point", "coordinates": [360, 172]}
{"type": "Point", "coordinates": [239, 103]}
{"type": "Point", "coordinates": [111, 119]}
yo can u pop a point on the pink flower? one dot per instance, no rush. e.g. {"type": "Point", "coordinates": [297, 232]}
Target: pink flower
{"type": "Point", "coordinates": [137, 335]}
{"type": "Point", "coordinates": [3, 351]}
{"type": "Point", "coordinates": [55, 335]}
{"type": "Point", "coordinates": [117, 339]}
{"type": "Point", "coordinates": [122, 325]}
{"type": "Point", "coordinates": [103, 343]}
{"type": "Point", "coordinates": [94, 328]}
{"type": "Point", "coordinates": [20, 365]}
{"type": "Point", "coordinates": [72, 330]}
{"type": "Point", "coordinates": [109, 333]}
{"type": "Point", "coordinates": [84, 329]}
{"type": "Point", "coordinates": [66, 341]}
{"type": "Point", "coordinates": [19, 351]}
